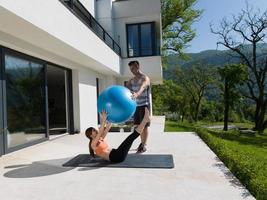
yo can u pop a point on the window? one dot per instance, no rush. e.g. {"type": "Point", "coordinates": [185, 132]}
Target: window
{"type": "Point", "coordinates": [25, 100]}
{"type": "Point", "coordinates": [141, 39]}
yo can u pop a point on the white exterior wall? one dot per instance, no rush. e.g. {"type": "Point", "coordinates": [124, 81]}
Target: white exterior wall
{"type": "Point", "coordinates": [89, 5]}
{"type": "Point", "coordinates": [87, 99]}
{"type": "Point", "coordinates": [104, 16]}
{"type": "Point", "coordinates": [85, 96]}
{"type": "Point", "coordinates": [38, 24]}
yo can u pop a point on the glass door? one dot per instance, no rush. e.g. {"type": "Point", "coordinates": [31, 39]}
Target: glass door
{"type": "Point", "coordinates": [1, 109]}
{"type": "Point", "coordinates": [35, 100]}
{"type": "Point", "coordinates": [24, 92]}
{"type": "Point", "coordinates": [57, 84]}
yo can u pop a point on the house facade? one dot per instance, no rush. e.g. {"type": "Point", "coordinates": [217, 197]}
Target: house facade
{"type": "Point", "coordinates": [56, 56]}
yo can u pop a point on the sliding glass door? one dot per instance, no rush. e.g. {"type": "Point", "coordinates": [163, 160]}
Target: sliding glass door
{"type": "Point", "coordinates": [35, 100]}
{"type": "Point", "coordinates": [1, 107]}
{"type": "Point", "coordinates": [25, 101]}
{"type": "Point", "coordinates": [57, 84]}
{"type": "Point", "coordinates": [1, 122]}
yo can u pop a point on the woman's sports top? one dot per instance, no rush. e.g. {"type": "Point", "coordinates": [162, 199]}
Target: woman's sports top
{"type": "Point", "coordinates": [101, 147]}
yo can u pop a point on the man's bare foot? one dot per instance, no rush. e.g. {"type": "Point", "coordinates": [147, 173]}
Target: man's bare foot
{"type": "Point", "coordinates": [141, 148]}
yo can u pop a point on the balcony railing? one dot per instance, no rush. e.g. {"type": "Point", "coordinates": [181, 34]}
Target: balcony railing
{"type": "Point", "coordinates": [77, 8]}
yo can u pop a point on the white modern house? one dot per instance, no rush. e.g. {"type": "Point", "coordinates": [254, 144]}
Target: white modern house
{"type": "Point", "coordinates": [57, 55]}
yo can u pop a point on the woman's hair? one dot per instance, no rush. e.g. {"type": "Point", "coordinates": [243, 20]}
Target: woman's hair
{"type": "Point", "coordinates": [88, 134]}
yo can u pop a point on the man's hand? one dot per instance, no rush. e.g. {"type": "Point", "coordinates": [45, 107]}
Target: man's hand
{"type": "Point", "coordinates": [134, 95]}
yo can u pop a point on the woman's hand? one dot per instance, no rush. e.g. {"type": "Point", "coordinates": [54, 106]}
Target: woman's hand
{"type": "Point", "coordinates": [108, 125]}
{"type": "Point", "coordinates": [104, 116]}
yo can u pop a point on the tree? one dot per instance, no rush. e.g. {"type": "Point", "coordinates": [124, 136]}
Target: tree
{"type": "Point", "coordinates": [249, 27]}
{"type": "Point", "coordinates": [166, 97]}
{"type": "Point", "coordinates": [177, 18]}
{"type": "Point", "coordinates": [194, 81]}
{"type": "Point", "coordinates": [232, 75]}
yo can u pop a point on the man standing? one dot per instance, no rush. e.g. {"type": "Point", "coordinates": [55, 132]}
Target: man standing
{"type": "Point", "coordinates": [139, 86]}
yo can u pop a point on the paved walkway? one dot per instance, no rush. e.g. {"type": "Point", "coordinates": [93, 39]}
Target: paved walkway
{"type": "Point", "coordinates": [36, 172]}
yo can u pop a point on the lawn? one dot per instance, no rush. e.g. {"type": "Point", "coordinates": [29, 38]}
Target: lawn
{"type": "Point", "coordinates": [245, 156]}
{"type": "Point", "coordinates": [172, 126]}
{"type": "Point", "coordinates": [249, 125]}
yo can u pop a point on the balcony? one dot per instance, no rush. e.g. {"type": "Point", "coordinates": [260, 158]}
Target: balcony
{"type": "Point", "coordinates": [77, 8]}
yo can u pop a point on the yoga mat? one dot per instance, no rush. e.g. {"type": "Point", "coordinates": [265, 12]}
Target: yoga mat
{"type": "Point", "coordinates": [132, 161]}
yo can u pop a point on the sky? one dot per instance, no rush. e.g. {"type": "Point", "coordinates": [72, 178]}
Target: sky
{"type": "Point", "coordinates": [214, 12]}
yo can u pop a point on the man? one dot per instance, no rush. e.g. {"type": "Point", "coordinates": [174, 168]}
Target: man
{"type": "Point", "coordinates": [139, 86]}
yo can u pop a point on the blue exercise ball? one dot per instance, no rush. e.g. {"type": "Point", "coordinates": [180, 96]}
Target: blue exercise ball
{"type": "Point", "coordinates": [117, 101]}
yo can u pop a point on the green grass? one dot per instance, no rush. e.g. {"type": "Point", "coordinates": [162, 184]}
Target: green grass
{"type": "Point", "coordinates": [171, 126]}
{"type": "Point", "coordinates": [249, 125]}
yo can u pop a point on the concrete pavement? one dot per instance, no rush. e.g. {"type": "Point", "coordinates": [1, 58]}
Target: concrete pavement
{"type": "Point", "coordinates": [36, 172]}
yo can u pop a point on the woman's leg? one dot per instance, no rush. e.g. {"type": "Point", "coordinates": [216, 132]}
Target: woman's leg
{"type": "Point", "coordinates": [119, 154]}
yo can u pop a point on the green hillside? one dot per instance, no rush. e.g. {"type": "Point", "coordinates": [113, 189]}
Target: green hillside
{"type": "Point", "coordinates": [210, 57]}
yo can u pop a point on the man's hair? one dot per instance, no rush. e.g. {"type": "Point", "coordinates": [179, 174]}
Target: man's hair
{"type": "Point", "coordinates": [133, 62]}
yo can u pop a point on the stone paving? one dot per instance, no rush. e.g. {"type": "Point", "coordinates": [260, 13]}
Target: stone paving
{"type": "Point", "coordinates": [36, 172]}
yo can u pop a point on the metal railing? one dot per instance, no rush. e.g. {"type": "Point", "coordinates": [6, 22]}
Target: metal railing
{"type": "Point", "coordinates": [77, 8]}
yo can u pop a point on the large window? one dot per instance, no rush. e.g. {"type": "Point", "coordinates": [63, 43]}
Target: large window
{"type": "Point", "coordinates": [141, 39]}
{"type": "Point", "coordinates": [25, 97]}
{"type": "Point", "coordinates": [35, 100]}
{"type": "Point", "coordinates": [1, 106]}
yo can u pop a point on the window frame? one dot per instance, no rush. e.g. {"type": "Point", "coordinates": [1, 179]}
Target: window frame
{"type": "Point", "coordinates": [153, 39]}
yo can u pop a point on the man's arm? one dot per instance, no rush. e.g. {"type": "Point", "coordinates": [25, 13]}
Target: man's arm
{"type": "Point", "coordinates": [128, 84]}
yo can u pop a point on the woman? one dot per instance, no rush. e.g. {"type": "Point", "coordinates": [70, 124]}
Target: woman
{"type": "Point", "coordinates": [98, 146]}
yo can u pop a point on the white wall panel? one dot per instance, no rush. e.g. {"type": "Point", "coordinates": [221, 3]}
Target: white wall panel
{"type": "Point", "coordinates": [39, 23]}
{"type": "Point", "coordinates": [89, 5]}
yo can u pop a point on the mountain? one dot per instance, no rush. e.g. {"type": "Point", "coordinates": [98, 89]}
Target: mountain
{"type": "Point", "coordinates": [214, 58]}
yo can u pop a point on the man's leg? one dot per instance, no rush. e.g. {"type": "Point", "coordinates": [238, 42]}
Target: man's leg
{"type": "Point", "coordinates": [137, 120]}
{"type": "Point", "coordinates": [144, 136]}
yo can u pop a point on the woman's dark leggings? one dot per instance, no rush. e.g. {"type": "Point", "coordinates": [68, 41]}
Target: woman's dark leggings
{"type": "Point", "coordinates": [118, 155]}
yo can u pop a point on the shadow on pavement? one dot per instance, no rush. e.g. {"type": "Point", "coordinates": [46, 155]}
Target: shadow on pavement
{"type": "Point", "coordinates": [229, 176]}
{"type": "Point", "coordinates": [38, 169]}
